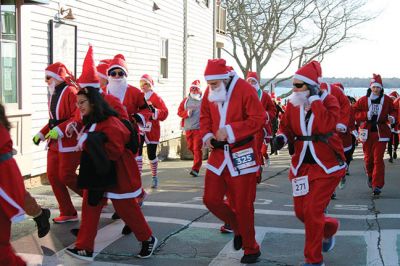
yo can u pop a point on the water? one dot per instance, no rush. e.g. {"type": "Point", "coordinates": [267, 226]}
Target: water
{"type": "Point", "coordinates": [355, 92]}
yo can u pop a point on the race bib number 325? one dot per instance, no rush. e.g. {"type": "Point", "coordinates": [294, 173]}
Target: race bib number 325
{"type": "Point", "coordinates": [300, 186]}
{"type": "Point", "coordinates": [243, 159]}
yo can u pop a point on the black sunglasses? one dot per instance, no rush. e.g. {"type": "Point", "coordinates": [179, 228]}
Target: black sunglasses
{"type": "Point", "coordinates": [298, 85]}
{"type": "Point", "coordinates": [114, 73]}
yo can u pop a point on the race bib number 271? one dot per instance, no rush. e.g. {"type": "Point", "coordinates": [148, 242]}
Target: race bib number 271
{"type": "Point", "coordinates": [300, 186]}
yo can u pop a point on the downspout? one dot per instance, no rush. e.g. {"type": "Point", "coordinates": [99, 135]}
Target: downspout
{"type": "Point", "coordinates": [185, 38]}
{"type": "Point", "coordinates": [214, 26]}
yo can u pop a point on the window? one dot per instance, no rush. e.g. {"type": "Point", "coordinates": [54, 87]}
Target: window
{"type": "Point", "coordinates": [8, 51]}
{"type": "Point", "coordinates": [164, 59]}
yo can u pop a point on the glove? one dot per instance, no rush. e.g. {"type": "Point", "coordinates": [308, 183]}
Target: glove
{"type": "Point", "coordinates": [53, 134]}
{"type": "Point", "coordinates": [313, 90]}
{"type": "Point", "coordinates": [36, 139]}
{"type": "Point", "coordinates": [277, 143]}
{"type": "Point", "coordinates": [391, 119]}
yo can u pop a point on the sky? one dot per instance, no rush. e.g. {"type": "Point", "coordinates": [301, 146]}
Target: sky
{"type": "Point", "coordinates": [378, 51]}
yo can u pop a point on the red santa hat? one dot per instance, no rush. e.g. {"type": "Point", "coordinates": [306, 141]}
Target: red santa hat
{"type": "Point", "coordinates": [253, 76]}
{"type": "Point", "coordinates": [310, 73]}
{"type": "Point", "coordinates": [58, 71]}
{"type": "Point", "coordinates": [118, 62]}
{"type": "Point", "coordinates": [195, 86]}
{"type": "Point", "coordinates": [216, 69]}
{"type": "Point", "coordinates": [148, 79]}
{"type": "Point", "coordinates": [376, 81]}
{"type": "Point", "coordinates": [102, 68]}
{"type": "Point", "coordinates": [89, 76]}
{"type": "Point", "coordinates": [394, 95]}
{"type": "Point", "coordinates": [272, 95]}
{"type": "Point", "coordinates": [339, 85]}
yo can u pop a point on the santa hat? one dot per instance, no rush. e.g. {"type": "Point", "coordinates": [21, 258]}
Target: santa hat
{"type": "Point", "coordinates": [216, 69]}
{"type": "Point", "coordinates": [310, 73]}
{"type": "Point", "coordinates": [231, 71]}
{"type": "Point", "coordinates": [394, 95]}
{"type": "Point", "coordinates": [148, 79]}
{"type": "Point", "coordinates": [102, 68]}
{"type": "Point", "coordinates": [253, 76]}
{"type": "Point", "coordinates": [118, 62]}
{"type": "Point", "coordinates": [89, 76]}
{"type": "Point", "coordinates": [339, 85]}
{"type": "Point", "coordinates": [195, 86]}
{"type": "Point", "coordinates": [272, 95]}
{"type": "Point", "coordinates": [58, 71]}
{"type": "Point", "coordinates": [376, 81]}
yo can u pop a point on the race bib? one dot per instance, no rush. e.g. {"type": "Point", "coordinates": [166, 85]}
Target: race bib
{"type": "Point", "coordinates": [363, 134]}
{"type": "Point", "coordinates": [300, 186]}
{"type": "Point", "coordinates": [243, 159]}
{"type": "Point", "coordinates": [375, 109]}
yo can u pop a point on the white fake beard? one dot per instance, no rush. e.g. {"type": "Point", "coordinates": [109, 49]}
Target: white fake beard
{"type": "Point", "coordinates": [218, 94]}
{"type": "Point", "coordinates": [299, 98]}
{"type": "Point", "coordinates": [117, 87]}
{"type": "Point", "coordinates": [195, 96]}
{"type": "Point", "coordinates": [52, 87]}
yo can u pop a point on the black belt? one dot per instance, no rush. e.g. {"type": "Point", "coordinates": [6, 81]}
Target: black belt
{"type": "Point", "coordinates": [314, 138]}
{"type": "Point", "coordinates": [54, 122]}
{"type": "Point", "coordinates": [220, 144]}
{"type": "Point", "coordinates": [6, 156]}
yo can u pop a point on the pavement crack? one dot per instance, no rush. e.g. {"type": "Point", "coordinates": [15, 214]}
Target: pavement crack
{"type": "Point", "coordinates": [275, 175]}
{"type": "Point", "coordinates": [376, 212]}
{"type": "Point", "coordinates": [163, 242]}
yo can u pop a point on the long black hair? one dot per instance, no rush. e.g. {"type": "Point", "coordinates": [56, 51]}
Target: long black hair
{"type": "Point", "coordinates": [100, 110]}
{"type": "Point", "coordinates": [3, 118]}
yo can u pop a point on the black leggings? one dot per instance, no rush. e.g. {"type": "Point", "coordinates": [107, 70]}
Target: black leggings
{"type": "Point", "coordinates": [151, 149]}
{"type": "Point", "coordinates": [393, 143]}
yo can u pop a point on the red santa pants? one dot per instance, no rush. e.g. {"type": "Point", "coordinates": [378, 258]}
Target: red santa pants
{"type": "Point", "coordinates": [239, 213]}
{"type": "Point", "coordinates": [194, 144]}
{"type": "Point", "coordinates": [310, 210]}
{"type": "Point", "coordinates": [7, 254]}
{"type": "Point", "coordinates": [61, 171]}
{"type": "Point", "coordinates": [127, 209]}
{"type": "Point", "coordinates": [374, 151]}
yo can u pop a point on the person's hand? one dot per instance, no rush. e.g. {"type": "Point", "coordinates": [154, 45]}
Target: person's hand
{"type": "Point", "coordinates": [36, 139]}
{"type": "Point", "coordinates": [53, 134]}
{"type": "Point", "coordinates": [222, 134]}
{"type": "Point", "coordinates": [208, 144]}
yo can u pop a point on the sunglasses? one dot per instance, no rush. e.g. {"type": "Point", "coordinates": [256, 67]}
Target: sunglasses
{"type": "Point", "coordinates": [298, 85]}
{"type": "Point", "coordinates": [115, 73]}
{"type": "Point", "coordinates": [48, 77]}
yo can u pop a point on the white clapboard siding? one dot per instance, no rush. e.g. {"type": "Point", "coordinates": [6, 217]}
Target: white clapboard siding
{"type": "Point", "coordinates": [134, 30]}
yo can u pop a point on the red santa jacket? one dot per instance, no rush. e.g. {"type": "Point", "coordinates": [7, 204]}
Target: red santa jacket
{"type": "Point", "coordinates": [66, 107]}
{"type": "Point", "coordinates": [12, 189]}
{"type": "Point", "coordinates": [344, 117]}
{"type": "Point", "coordinates": [129, 184]}
{"type": "Point", "coordinates": [384, 109]}
{"type": "Point", "coordinates": [242, 115]}
{"type": "Point", "coordinates": [152, 126]}
{"type": "Point", "coordinates": [396, 106]}
{"type": "Point", "coordinates": [323, 120]}
{"type": "Point", "coordinates": [270, 110]}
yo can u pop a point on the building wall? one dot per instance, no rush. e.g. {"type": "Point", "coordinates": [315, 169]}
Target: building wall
{"type": "Point", "coordinates": [120, 26]}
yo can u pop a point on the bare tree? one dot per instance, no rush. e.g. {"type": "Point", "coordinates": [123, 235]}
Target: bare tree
{"type": "Point", "coordinates": [297, 30]}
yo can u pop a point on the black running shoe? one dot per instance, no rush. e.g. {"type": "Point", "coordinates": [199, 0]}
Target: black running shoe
{"type": "Point", "coordinates": [250, 258]}
{"type": "Point", "coordinates": [42, 223]}
{"type": "Point", "coordinates": [126, 230]}
{"type": "Point", "coordinates": [237, 242]}
{"type": "Point", "coordinates": [148, 248]}
{"type": "Point", "coordinates": [115, 216]}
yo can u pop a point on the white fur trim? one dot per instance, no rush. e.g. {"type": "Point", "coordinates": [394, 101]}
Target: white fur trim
{"type": "Point", "coordinates": [20, 215]}
{"type": "Point", "coordinates": [94, 85]}
{"type": "Point", "coordinates": [305, 79]}
{"type": "Point", "coordinates": [101, 75]}
{"type": "Point", "coordinates": [313, 98]}
{"type": "Point", "coordinates": [53, 75]}
{"type": "Point", "coordinates": [41, 136]}
{"type": "Point", "coordinates": [341, 127]}
{"type": "Point", "coordinates": [129, 195]}
{"type": "Point", "coordinates": [347, 148]}
{"type": "Point", "coordinates": [216, 77]}
{"type": "Point", "coordinates": [215, 170]}
{"type": "Point", "coordinates": [375, 84]}
{"type": "Point", "coordinates": [155, 115]}
{"type": "Point", "coordinates": [142, 118]}
{"type": "Point", "coordinates": [231, 136]}
{"type": "Point", "coordinates": [118, 66]}
{"type": "Point", "coordinates": [207, 136]}
{"type": "Point", "coordinates": [267, 116]}
{"type": "Point", "coordinates": [82, 140]}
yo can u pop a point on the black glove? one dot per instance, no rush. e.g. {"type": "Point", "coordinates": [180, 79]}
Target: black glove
{"type": "Point", "coordinates": [152, 109]}
{"type": "Point", "coordinates": [277, 143]}
{"type": "Point", "coordinates": [217, 144]}
{"type": "Point", "coordinates": [314, 90]}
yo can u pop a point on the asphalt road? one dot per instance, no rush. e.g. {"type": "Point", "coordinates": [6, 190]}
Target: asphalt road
{"type": "Point", "coordinates": [189, 235]}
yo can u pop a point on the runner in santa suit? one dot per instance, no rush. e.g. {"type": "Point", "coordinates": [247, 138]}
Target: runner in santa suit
{"type": "Point", "coordinates": [189, 111]}
{"type": "Point", "coordinates": [354, 134]}
{"type": "Point", "coordinates": [106, 144]}
{"type": "Point", "coordinates": [155, 112]}
{"type": "Point", "coordinates": [318, 162]}
{"type": "Point", "coordinates": [231, 114]}
{"type": "Point", "coordinates": [265, 134]}
{"type": "Point", "coordinates": [374, 112]}
{"type": "Point", "coordinates": [342, 127]}
{"type": "Point", "coordinates": [393, 144]}
{"type": "Point", "coordinates": [62, 158]}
